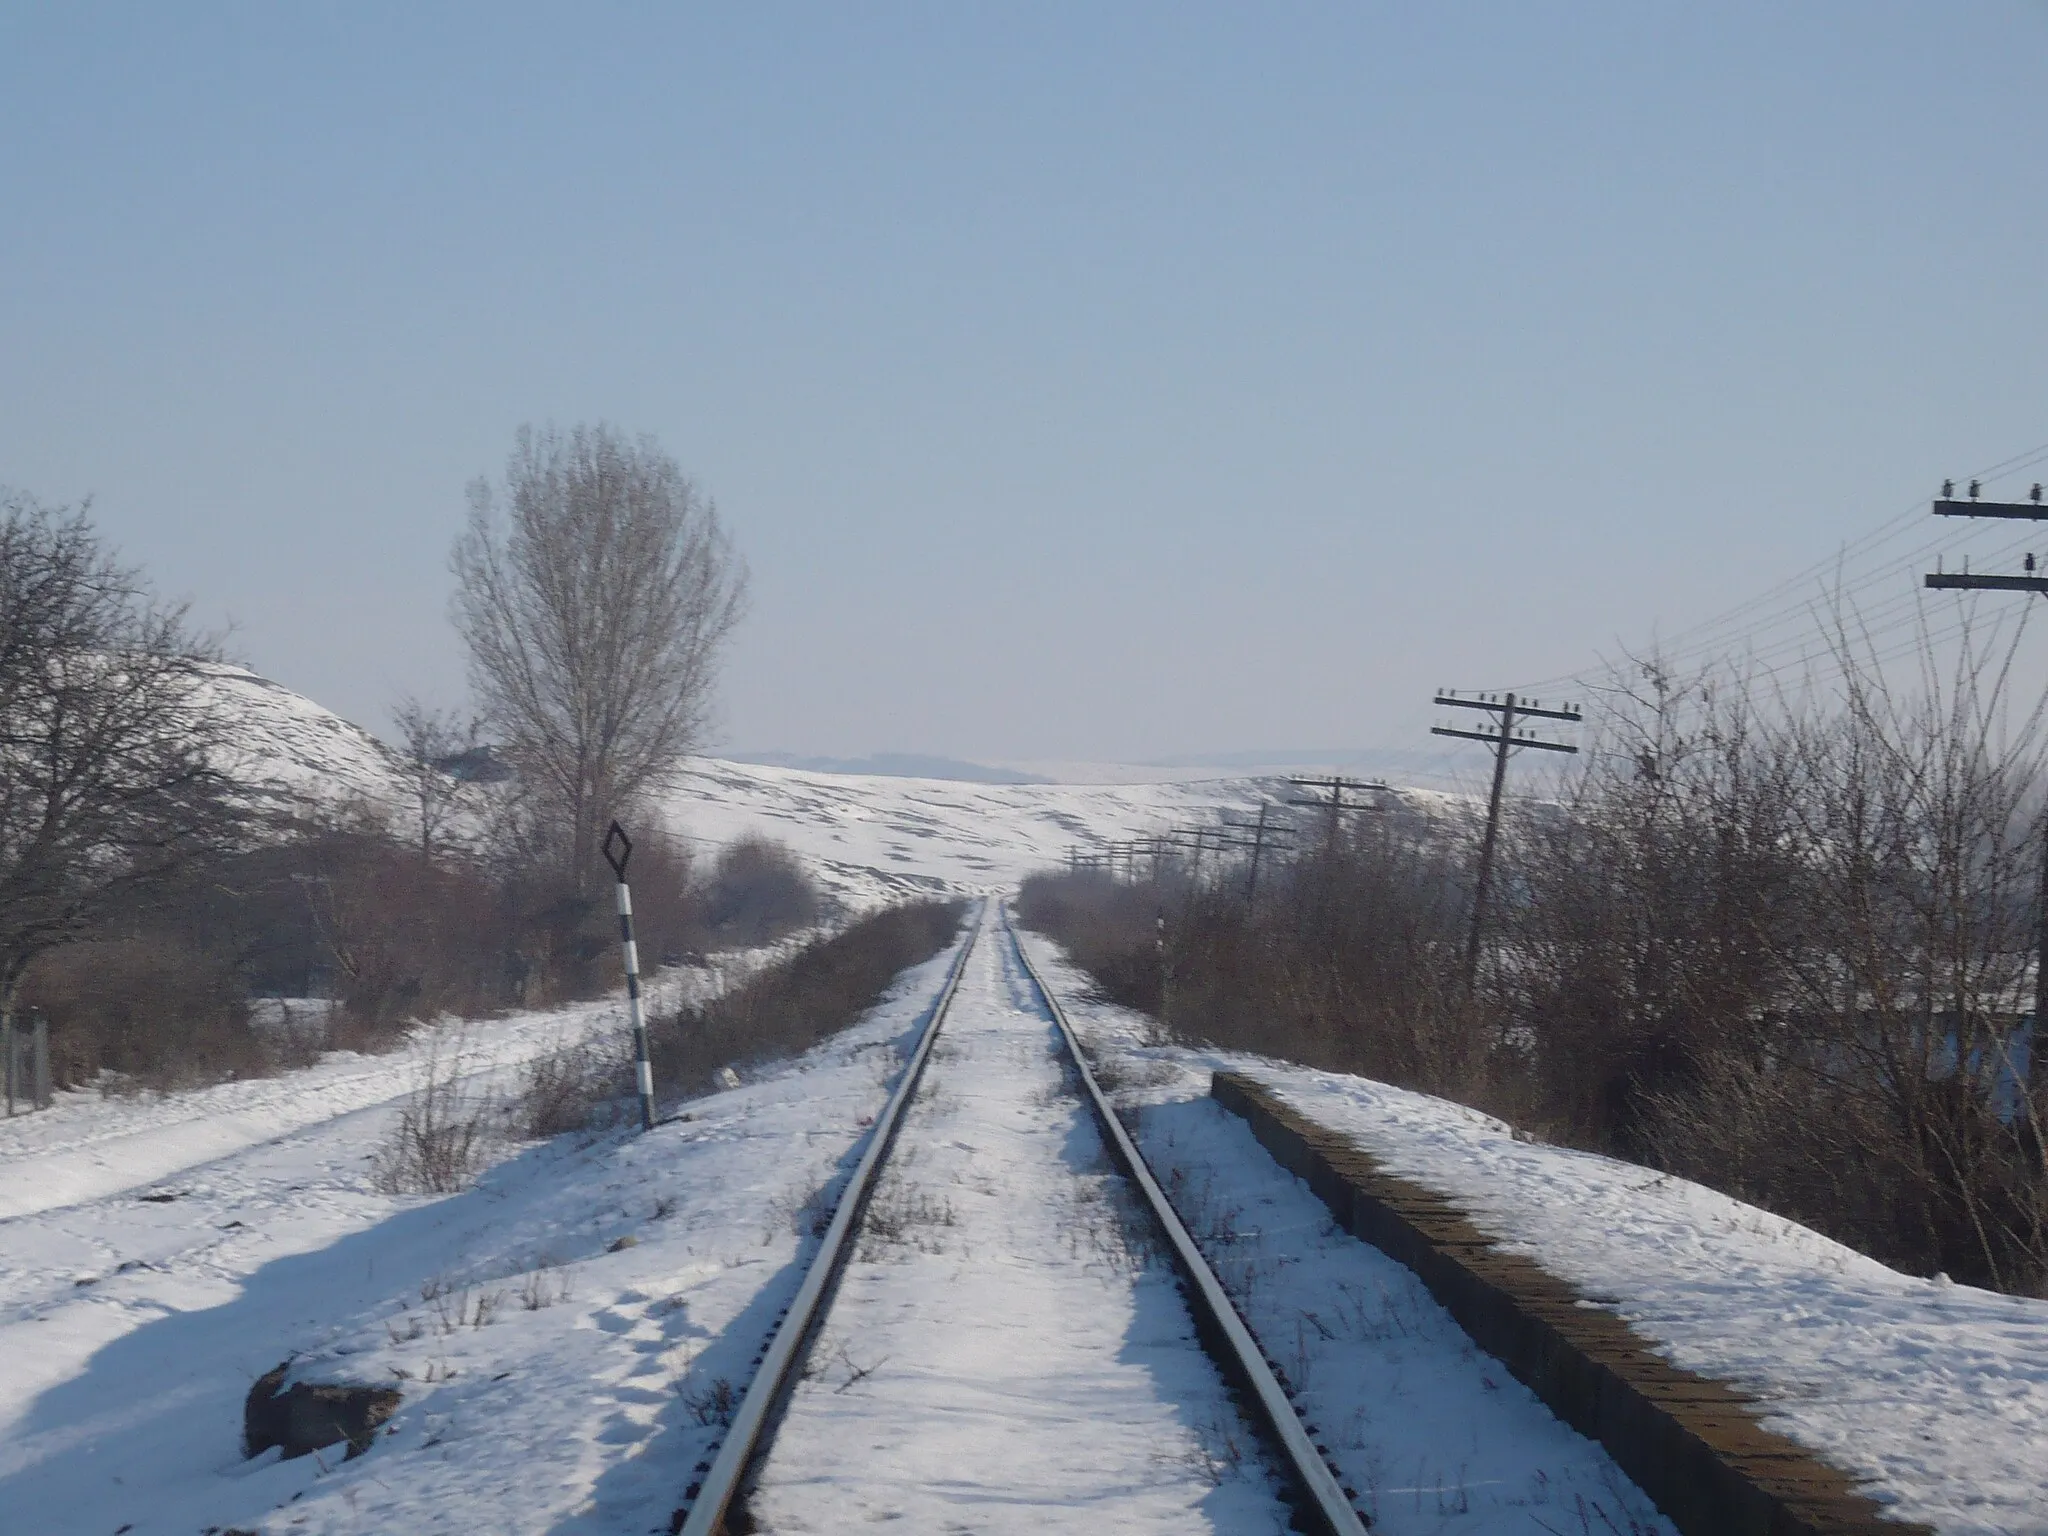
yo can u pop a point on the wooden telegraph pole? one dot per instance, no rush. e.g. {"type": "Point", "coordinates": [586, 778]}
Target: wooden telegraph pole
{"type": "Point", "coordinates": [1260, 830]}
{"type": "Point", "coordinates": [2030, 510]}
{"type": "Point", "coordinates": [1337, 785]}
{"type": "Point", "coordinates": [1500, 734]}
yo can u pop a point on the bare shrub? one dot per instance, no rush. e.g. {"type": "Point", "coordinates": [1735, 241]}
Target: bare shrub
{"type": "Point", "coordinates": [406, 939]}
{"type": "Point", "coordinates": [1341, 964]}
{"type": "Point", "coordinates": [153, 1012]}
{"type": "Point", "coordinates": [714, 1403]}
{"type": "Point", "coordinates": [543, 1286]}
{"type": "Point", "coordinates": [1782, 943]}
{"type": "Point", "coordinates": [1788, 953]}
{"type": "Point", "coordinates": [791, 1006]}
{"type": "Point", "coordinates": [758, 891]}
{"type": "Point", "coordinates": [806, 1209]}
{"type": "Point", "coordinates": [576, 1087]}
{"type": "Point", "coordinates": [668, 901]}
{"type": "Point", "coordinates": [904, 1217]}
{"type": "Point", "coordinates": [442, 1137]}
{"type": "Point", "coordinates": [466, 1308]}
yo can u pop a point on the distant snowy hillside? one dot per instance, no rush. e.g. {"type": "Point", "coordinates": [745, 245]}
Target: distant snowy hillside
{"type": "Point", "coordinates": [870, 838]}
{"type": "Point", "coordinates": [292, 752]}
{"type": "Point", "coordinates": [873, 839]}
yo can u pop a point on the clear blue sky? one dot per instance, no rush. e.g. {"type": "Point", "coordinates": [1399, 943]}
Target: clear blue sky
{"type": "Point", "coordinates": [1102, 380]}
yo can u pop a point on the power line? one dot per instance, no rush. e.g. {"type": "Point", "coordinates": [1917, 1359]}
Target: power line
{"type": "Point", "coordinates": [1770, 610]}
{"type": "Point", "coordinates": [1335, 807]}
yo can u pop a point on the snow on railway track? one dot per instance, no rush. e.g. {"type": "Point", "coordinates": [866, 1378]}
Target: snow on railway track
{"type": "Point", "coordinates": [1037, 1360]}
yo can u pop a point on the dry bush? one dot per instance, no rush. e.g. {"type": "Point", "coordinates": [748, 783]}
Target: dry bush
{"type": "Point", "coordinates": [1781, 945]}
{"type": "Point", "coordinates": [1107, 927]}
{"type": "Point", "coordinates": [789, 1007]}
{"type": "Point", "coordinates": [155, 1012]}
{"type": "Point", "coordinates": [443, 1134]}
{"type": "Point", "coordinates": [1345, 962]}
{"type": "Point", "coordinates": [1788, 951]}
{"type": "Point", "coordinates": [758, 892]}
{"type": "Point", "coordinates": [585, 1085]}
{"type": "Point", "coordinates": [668, 902]}
{"type": "Point", "coordinates": [408, 940]}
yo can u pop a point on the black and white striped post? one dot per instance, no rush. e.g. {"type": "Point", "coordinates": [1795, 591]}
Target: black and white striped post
{"type": "Point", "coordinates": [616, 839]}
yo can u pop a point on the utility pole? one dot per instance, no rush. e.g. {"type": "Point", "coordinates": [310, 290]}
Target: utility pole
{"type": "Point", "coordinates": [2030, 510]}
{"type": "Point", "coordinates": [1501, 735]}
{"type": "Point", "coordinates": [1079, 859]}
{"type": "Point", "coordinates": [1335, 806]}
{"type": "Point", "coordinates": [1260, 831]}
{"type": "Point", "coordinates": [1218, 837]}
{"type": "Point", "coordinates": [1155, 846]}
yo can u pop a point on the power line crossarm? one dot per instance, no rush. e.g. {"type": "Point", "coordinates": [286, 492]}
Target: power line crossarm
{"type": "Point", "coordinates": [1962, 583]}
{"type": "Point", "coordinates": [1493, 737]}
{"type": "Point", "coordinates": [2031, 511]}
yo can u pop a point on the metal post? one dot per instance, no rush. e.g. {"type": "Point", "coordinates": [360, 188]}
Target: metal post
{"type": "Point", "coordinates": [7, 1050]}
{"type": "Point", "coordinates": [642, 1066]}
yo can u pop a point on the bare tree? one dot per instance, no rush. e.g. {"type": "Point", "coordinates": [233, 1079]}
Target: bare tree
{"type": "Point", "coordinates": [107, 776]}
{"type": "Point", "coordinates": [595, 590]}
{"type": "Point", "coordinates": [441, 757]}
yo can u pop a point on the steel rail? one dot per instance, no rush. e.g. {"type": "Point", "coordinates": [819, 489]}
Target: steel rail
{"type": "Point", "coordinates": [1321, 1501]}
{"type": "Point", "coordinates": [775, 1372]}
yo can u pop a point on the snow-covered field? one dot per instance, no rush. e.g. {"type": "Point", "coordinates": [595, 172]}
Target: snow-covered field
{"type": "Point", "coordinates": [552, 1384]}
{"type": "Point", "coordinates": [1004, 1354]}
{"type": "Point", "coordinates": [1934, 1394]}
{"type": "Point", "coordinates": [87, 1146]}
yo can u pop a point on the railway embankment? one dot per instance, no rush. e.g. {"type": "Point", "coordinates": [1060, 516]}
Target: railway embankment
{"type": "Point", "coordinates": [1696, 1445]}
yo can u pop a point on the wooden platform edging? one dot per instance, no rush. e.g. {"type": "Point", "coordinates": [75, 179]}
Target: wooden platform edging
{"type": "Point", "coordinates": [1694, 1445]}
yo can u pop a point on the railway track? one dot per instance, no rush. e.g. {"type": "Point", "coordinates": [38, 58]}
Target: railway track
{"type": "Point", "coordinates": [718, 1501]}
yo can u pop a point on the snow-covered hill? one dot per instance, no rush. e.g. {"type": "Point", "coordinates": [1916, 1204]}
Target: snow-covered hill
{"type": "Point", "coordinates": [292, 752]}
{"type": "Point", "coordinates": [873, 839]}
{"type": "Point", "coordinates": [870, 838]}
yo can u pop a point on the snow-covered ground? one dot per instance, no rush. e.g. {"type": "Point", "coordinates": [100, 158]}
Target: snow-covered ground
{"type": "Point", "coordinates": [1934, 1394]}
{"type": "Point", "coordinates": [157, 1254]}
{"type": "Point", "coordinates": [566, 1332]}
{"type": "Point", "coordinates": [88, 1145]}
{"type": "Point", "coordinates": [551, 1383]}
